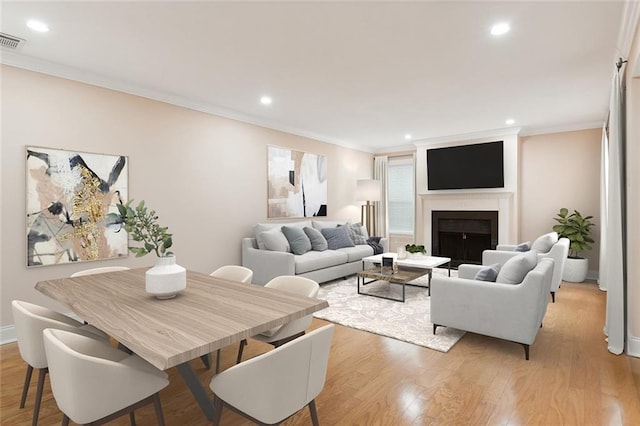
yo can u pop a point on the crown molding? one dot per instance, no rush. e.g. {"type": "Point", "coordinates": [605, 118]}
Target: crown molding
{"type": "Point", "coordinates": [562, 128]}
{"type": "Point", "coordinates": [508, 131]}
{"type": "Point", "coordinates": [71, 73]}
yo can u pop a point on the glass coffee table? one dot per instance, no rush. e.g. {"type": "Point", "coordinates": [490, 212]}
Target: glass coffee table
{"type": "Point", "coordinates": [408, 270]}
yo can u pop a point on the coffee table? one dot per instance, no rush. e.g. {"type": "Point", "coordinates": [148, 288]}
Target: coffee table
{"type": "Point", "coordinates": [409, 269]}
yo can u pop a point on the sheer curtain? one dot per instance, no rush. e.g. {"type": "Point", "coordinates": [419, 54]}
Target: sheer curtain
{"type": "Point", "coordinates": [613, 263]}
{"type": "Point", "coordinates": [380, 165]}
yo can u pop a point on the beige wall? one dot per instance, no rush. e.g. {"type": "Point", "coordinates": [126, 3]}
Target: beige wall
{"type": "Point", "coordinates": [205, 175]}
{"type": "Point", "coordinates": [633, 195]}
{"type": "Point", "coordinates": [560, 170]}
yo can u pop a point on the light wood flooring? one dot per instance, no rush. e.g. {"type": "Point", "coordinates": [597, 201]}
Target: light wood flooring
{"type": "Point", "coordinates": [571, 379]}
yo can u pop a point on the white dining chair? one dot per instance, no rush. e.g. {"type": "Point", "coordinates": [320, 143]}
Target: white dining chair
{"type": "Point", "coordinates": [101, 270]}
{"type": "Point", "coordinates": [275, 385]}
{"type": "Point", "coordinates": [94, 383]}
{"type": "Point", "coordinates": [30, 320]}
{"type": "Point", "coordinates": [232, 273]}
{"type": "Point", "coordinates": [282, 334]}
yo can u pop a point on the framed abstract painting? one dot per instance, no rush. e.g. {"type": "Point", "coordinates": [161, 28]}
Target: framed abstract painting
{"type": "Point", "coordinates": [71, 206]}
{"type": "Point", "coordinates": [297, 183]}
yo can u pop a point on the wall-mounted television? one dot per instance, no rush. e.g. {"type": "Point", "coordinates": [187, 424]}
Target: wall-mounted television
{"type": "Point", "coordinates": [466, 166]}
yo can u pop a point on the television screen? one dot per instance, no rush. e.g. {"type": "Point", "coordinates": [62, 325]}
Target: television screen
{"type": "Point", "coordinates": [466, 166]}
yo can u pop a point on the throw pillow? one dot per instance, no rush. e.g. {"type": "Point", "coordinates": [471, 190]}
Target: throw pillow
{"type": "Point", "coordinates": [337, 237]}
{"type": "Point", "coordinates": [298, 240]}
{"type": "Point", "coordinates": [318, 242]}
{"type": "Point", "coordinates": [514, 270]}
{"type": "Point", "coordinates": [274, 240]}
{"type": "Point", "coordinates": [523, 247]}
{"type": "Point", "coordinates": [543, 243]}
{"type": "Point", "coordinates": [488, 273]}
{"type": "Point", "coordinates": [357, 233]}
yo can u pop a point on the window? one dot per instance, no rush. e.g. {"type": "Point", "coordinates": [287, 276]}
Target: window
{"type": "Point", "coordinates": [401, 195]}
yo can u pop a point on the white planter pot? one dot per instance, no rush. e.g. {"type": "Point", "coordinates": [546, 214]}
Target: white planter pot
{"type": "Point", "coordinates": [575, 270]}
{"type": "Point", "coordinates": [166, 279]}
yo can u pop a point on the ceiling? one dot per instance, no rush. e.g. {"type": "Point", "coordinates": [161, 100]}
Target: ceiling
{"type": "Point", "coordinates": [358, 74]}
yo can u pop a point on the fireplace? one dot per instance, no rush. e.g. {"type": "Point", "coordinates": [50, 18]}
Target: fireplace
{"type": "Point", "coordinates": [463, 235]}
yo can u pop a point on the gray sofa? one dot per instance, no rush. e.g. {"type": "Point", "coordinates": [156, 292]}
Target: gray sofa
{"type": "Point", "coordinates": [320, 266]}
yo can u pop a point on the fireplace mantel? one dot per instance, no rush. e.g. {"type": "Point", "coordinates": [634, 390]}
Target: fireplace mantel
{"type": "Point", "coordinates": [501, 201]}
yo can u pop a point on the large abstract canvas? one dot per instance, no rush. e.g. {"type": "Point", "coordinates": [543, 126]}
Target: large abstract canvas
{"type": "Point", "coordinates": [297, 183]}
{"type": "Point", "coordinates": [71, 206]}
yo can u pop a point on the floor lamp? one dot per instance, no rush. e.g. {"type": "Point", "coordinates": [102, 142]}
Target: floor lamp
{"type": "Point", "coordinates": [368, 190]}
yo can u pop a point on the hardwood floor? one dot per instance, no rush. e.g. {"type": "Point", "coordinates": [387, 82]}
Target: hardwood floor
{"type": "Point", "coordinates": [571, 379]}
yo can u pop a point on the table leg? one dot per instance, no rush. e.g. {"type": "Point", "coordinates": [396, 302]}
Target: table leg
{"type": "Point", "coordinates": [206, 360]}
{"type": "Point", "coordinates": [197, 389]}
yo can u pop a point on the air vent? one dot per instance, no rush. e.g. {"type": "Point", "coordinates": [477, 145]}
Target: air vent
{"type": "Point", "coordinates": [10, 42]}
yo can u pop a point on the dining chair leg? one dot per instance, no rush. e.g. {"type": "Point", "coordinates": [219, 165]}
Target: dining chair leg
{"type": "Point", "coordinates": [132, 418]}
{"type": "Point", "coordinates": [65, 420]}
{"type": "Point", "coordinates": [42, 372]}
{"type": "Point", "coordinates": [217, 410]}
{"type": "Point", "coordinates": [243, 343]}
{"type": "Point", "coordinates": [27, 382]}
{"type": "Point", "coordinates": [158, 407]}
{"type": "Point", "coordinates": [314, 413]}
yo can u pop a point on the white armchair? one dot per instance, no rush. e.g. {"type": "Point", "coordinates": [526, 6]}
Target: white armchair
{"type": "Point", "coordinates": [558, 252]}
{"type": "Point", "coordinates": [95, 382]}
{"type": "Point", "coordinates": [512, 312]}
{"type": "Point", "coordinates": [275, 385]}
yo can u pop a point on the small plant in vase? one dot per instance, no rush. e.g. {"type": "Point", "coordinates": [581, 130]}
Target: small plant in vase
{"type": "Point", "coordinates": [413, 249]}
{"type": "Point", "coordinates": [166, 278]}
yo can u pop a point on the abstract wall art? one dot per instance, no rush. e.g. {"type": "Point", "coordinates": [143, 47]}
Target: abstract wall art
{"type": "Point", "coordinates": [71, 206]}
{"type": "Point", "coordinates": [297, 183]}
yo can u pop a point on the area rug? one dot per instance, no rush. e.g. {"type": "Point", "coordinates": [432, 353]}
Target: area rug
{"type": "Point", "coordinates": [409, 321]}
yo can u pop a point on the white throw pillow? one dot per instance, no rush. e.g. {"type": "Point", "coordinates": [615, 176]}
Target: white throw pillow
{"type": "Point", "coordinates": [543, 243]}
{"type": "Point", "coordinates": [273, 240]}
{"type": "Point", "coordinates": [514, 270]}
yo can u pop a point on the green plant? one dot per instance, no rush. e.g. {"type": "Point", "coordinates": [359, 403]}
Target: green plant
{"type": "Point", "coordinates": [412, 248]}
{"type": "Point", "coordinates": [142, 224]}
{"type": "Point", "coordinates": [576, 228]}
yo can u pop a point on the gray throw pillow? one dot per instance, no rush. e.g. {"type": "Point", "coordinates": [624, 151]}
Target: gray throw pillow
{"type": "Point", "coordinates": [488, 273]}
{"type": "Point", "coordinates": [357, 233]}
{"type": "Point", "coordinates": [337, 237]}
{"type": "Point", "coordinates": [298, 240]}
{"type": "Point", "coordinates": [522, 247]}
{"type": "Point", "coordinates": [514, 270]}
{"type": "Point", "coordinates": [274, 240]}
{"type": "Point", "coordinates": [318, 242]}
{"type": "Point", "coordinates": [543, 243]}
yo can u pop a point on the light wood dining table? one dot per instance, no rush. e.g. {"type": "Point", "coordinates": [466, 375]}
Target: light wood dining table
{"type": "Point", "coordinates": [209, 314]}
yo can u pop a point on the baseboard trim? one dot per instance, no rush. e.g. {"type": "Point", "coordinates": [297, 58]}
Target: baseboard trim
{"type": "Point", "coordinates": [633, 346]}
{"type": "Point", "coordinates": [8, 332]}
{"type": "Point", "coordinates": [593, 275]}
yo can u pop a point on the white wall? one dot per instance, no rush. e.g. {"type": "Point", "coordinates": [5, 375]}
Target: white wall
{"type": "Point", "coordinates": [560, 170]}
{"type": "Point", "coordinates": [204, 175]}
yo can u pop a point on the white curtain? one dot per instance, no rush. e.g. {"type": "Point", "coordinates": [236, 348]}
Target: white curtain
{"type": "Point", "coordinates": [612, 276]}
{"type": "Point", "coordinates": [380, 173]}
{"type": "Point", "coordinates": [604, 170]}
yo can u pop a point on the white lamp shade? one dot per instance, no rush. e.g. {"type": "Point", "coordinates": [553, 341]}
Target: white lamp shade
{"type": "Point", "coordinates": [368, 190]}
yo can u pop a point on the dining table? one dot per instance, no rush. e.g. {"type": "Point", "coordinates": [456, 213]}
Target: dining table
{"type": "Point", "coordinates": [209, 314]}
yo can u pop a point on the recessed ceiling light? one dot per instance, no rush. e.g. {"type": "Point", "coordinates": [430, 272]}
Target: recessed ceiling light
{"type": "Point", "coordinates": [510, 121]}
{"type": "Point", "coordinates": [39, 26]}
{"type": "Point", "coordinates": [501, 28]}
{"type": "Point", "coordinates": [266, 100]}
{"type": "Point", "coordinates": [408, 136]}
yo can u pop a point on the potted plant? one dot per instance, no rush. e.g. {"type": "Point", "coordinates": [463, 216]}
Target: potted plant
{"type": "Point", "coordinates": [166, 278]}
{"type": "Point", "coordinates": [577, 229]}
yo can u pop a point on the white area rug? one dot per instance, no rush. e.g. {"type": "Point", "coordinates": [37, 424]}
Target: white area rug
{"type": "Point", "coordinates": [409, 321]}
